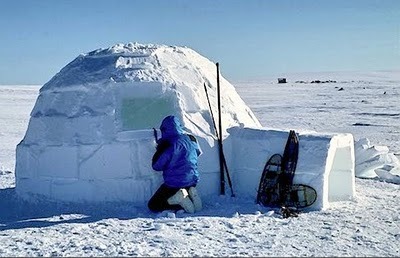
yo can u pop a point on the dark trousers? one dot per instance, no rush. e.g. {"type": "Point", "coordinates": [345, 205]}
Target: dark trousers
{"type": "Point", "coordinates": [158, 201]}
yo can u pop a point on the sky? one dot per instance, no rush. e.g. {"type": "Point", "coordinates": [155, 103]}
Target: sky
{"type": "Point", "coordinates": [250, 39]}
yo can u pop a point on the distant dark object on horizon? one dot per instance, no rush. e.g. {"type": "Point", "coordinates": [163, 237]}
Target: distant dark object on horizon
{"type": "Point", "coordinates": [317, 81]}
{"type": "Point", "coordinates": [362, 124]}
{"type": "Point", "coordinates": [281, 80]}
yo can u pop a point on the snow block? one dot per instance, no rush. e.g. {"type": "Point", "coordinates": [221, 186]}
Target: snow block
{"type": "Point", "coordinates": [36, 130]}
{"type": "Point", "coordinates": [340, 168]}
{"type": "Point", "coordinates": [30, 188]}
{"type": "Point", "coordinates": [210, 184]}
{"type": "Point", "coordinates": [91, 129]}
{"type": "Point", "coordinates": [63, 130]}
{"type": "Point", "coordinates": [58, 161]}
{"type": "Point", "coordinates": [209, 154]}
{"type": "Point", "coordinates": [375, 161]}
{"type": "Point", "coordinates": [96, 102]}
{"type": "Point", "coordinates": [29, 154]}
{"type": "Point", "coordinates": [110, 190]}
{"type": "Point", "coordinates": [142, 191]}
{"type": "Point", "coordinates": [141, 155]}
{"type": "Point", "coordinates": [108, 161]}
{"type": "Point", "coordinates": [142, 147]}
{"type": "Point", "coordinates": [326, 162]}
{"type": "Point", "coordinates": [72, 190]}
{"type": "Point", "coordinates": [54, 129]}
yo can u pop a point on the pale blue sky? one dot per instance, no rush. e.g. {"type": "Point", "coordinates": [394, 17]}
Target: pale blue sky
{"type": "Point", "coordinates": [250, 39]}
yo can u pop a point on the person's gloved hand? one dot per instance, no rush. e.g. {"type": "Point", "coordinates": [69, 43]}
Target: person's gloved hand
{"type": "Point", "coordinates": [162, 145]}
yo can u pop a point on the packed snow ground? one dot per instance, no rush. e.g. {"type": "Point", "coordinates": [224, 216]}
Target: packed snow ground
{"type": "Point", "coordinates": [367, 226]}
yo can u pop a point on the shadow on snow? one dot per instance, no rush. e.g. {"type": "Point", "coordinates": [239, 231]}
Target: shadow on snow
{"type": "Point", "coordinates": [17, 213]}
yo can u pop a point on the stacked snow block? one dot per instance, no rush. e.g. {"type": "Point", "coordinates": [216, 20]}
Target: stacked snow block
{"type": "Point", "coordinates": [116, 171]}
{"type": "Point", "coordinates": [326, 162]}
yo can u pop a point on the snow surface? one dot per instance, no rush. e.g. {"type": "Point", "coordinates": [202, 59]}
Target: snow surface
{"type": "Point", "coordinates": [369, 225]}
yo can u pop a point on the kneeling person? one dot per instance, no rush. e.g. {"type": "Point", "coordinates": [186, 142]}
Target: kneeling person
{"type": "Point", "coordinates": [176, 156]}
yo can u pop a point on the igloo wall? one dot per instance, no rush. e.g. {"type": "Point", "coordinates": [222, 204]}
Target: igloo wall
{"type": "Point", "coordinates": [88, 172]}
{"type": "Point", "coordinates": [121, 170]}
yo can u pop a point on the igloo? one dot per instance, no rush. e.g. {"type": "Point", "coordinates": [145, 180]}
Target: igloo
{"type": "Point", "coordinates": [90, 136]}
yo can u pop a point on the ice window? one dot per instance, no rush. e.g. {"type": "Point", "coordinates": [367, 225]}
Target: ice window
{"type": "Point", "coordinates": [145, 113]}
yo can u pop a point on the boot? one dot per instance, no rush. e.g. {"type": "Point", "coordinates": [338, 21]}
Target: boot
{"type": "Point", "coordinates": [182, 198]}
{"type": "Point", "coordinates": [195, 197]}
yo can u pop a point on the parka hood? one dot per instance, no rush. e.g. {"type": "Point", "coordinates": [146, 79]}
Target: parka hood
{"type": "Point", "coordinates": [171, 127]}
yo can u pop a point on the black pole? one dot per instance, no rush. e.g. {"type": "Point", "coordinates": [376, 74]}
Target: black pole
{"type": "Point", "coordinates": [227, 174]}
{"type": "Point", "coordinates": [221, 153]}
{"type": "Point", "coordinates": [211, 112]}
{"type": "Point", "coordinates": [217, 135]}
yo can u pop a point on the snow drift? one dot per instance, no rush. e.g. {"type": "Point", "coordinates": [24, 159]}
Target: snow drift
{"type": "Point", "coordinates": [90, 135]}
{"type": "Point", "coordinates": [374, 161]}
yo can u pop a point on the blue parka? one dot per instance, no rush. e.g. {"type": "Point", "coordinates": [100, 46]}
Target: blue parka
{"type": "Point", "coordinates": [176, 155]}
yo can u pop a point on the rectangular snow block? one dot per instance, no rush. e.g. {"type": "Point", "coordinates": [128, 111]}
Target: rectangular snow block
{"type": "Point", "coordinates": [90, 129]}
{"type": "Point", "coordinates": [59, 161]}
{"type": "Point", "coordinates": [325, 161]}
{"type": "Point", "coordinates": [27, 154]}
{"type": "Point", "coordinates": [70, 130]}
{"type": "Point", "coordinates": [155, 181]}
{"type": "Point", "coordinates": [141, 191]}
{"type": "Point", "coordinates": [339, 188]}
{"type": "Point", "coordinates": [58, 103]}
{"type": "Point", "coordinates": [209, 184]}
{"type": "Point", "coordinates": [204, 164]}
{"type": "Point", "coordinates": [36, 131]}
{"type": "Point", "coordinates": [85, 103]}
{"type": "Point", "coordinates": [249, 177]}
{"type": "Point", "coordinates": [255, 146]}
{"type": "Point", "coordinates": [110, 161]}
{"type": "Point", "coordinates": [133, 135]}
{"type": "Point", "coordinates": [28, 188]}
{"type": "Point", "coordinates": [99, 101]}
{"type": "Point", "coordinates": [111, 190]}
{"type": "Point", "coordinates": [49, 131]}
{"type": "Point", "coordinates": [140, 89]}
{"type": "Point", "coordinates": [72, 190]}
{"type": "Point", "coordinates": [342, 174]}
{"type": "Point", "coordinates": [142, 152]}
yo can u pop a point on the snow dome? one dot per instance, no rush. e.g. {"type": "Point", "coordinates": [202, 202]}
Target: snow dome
{"type": "Point", "coordinates": [90, 136]}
